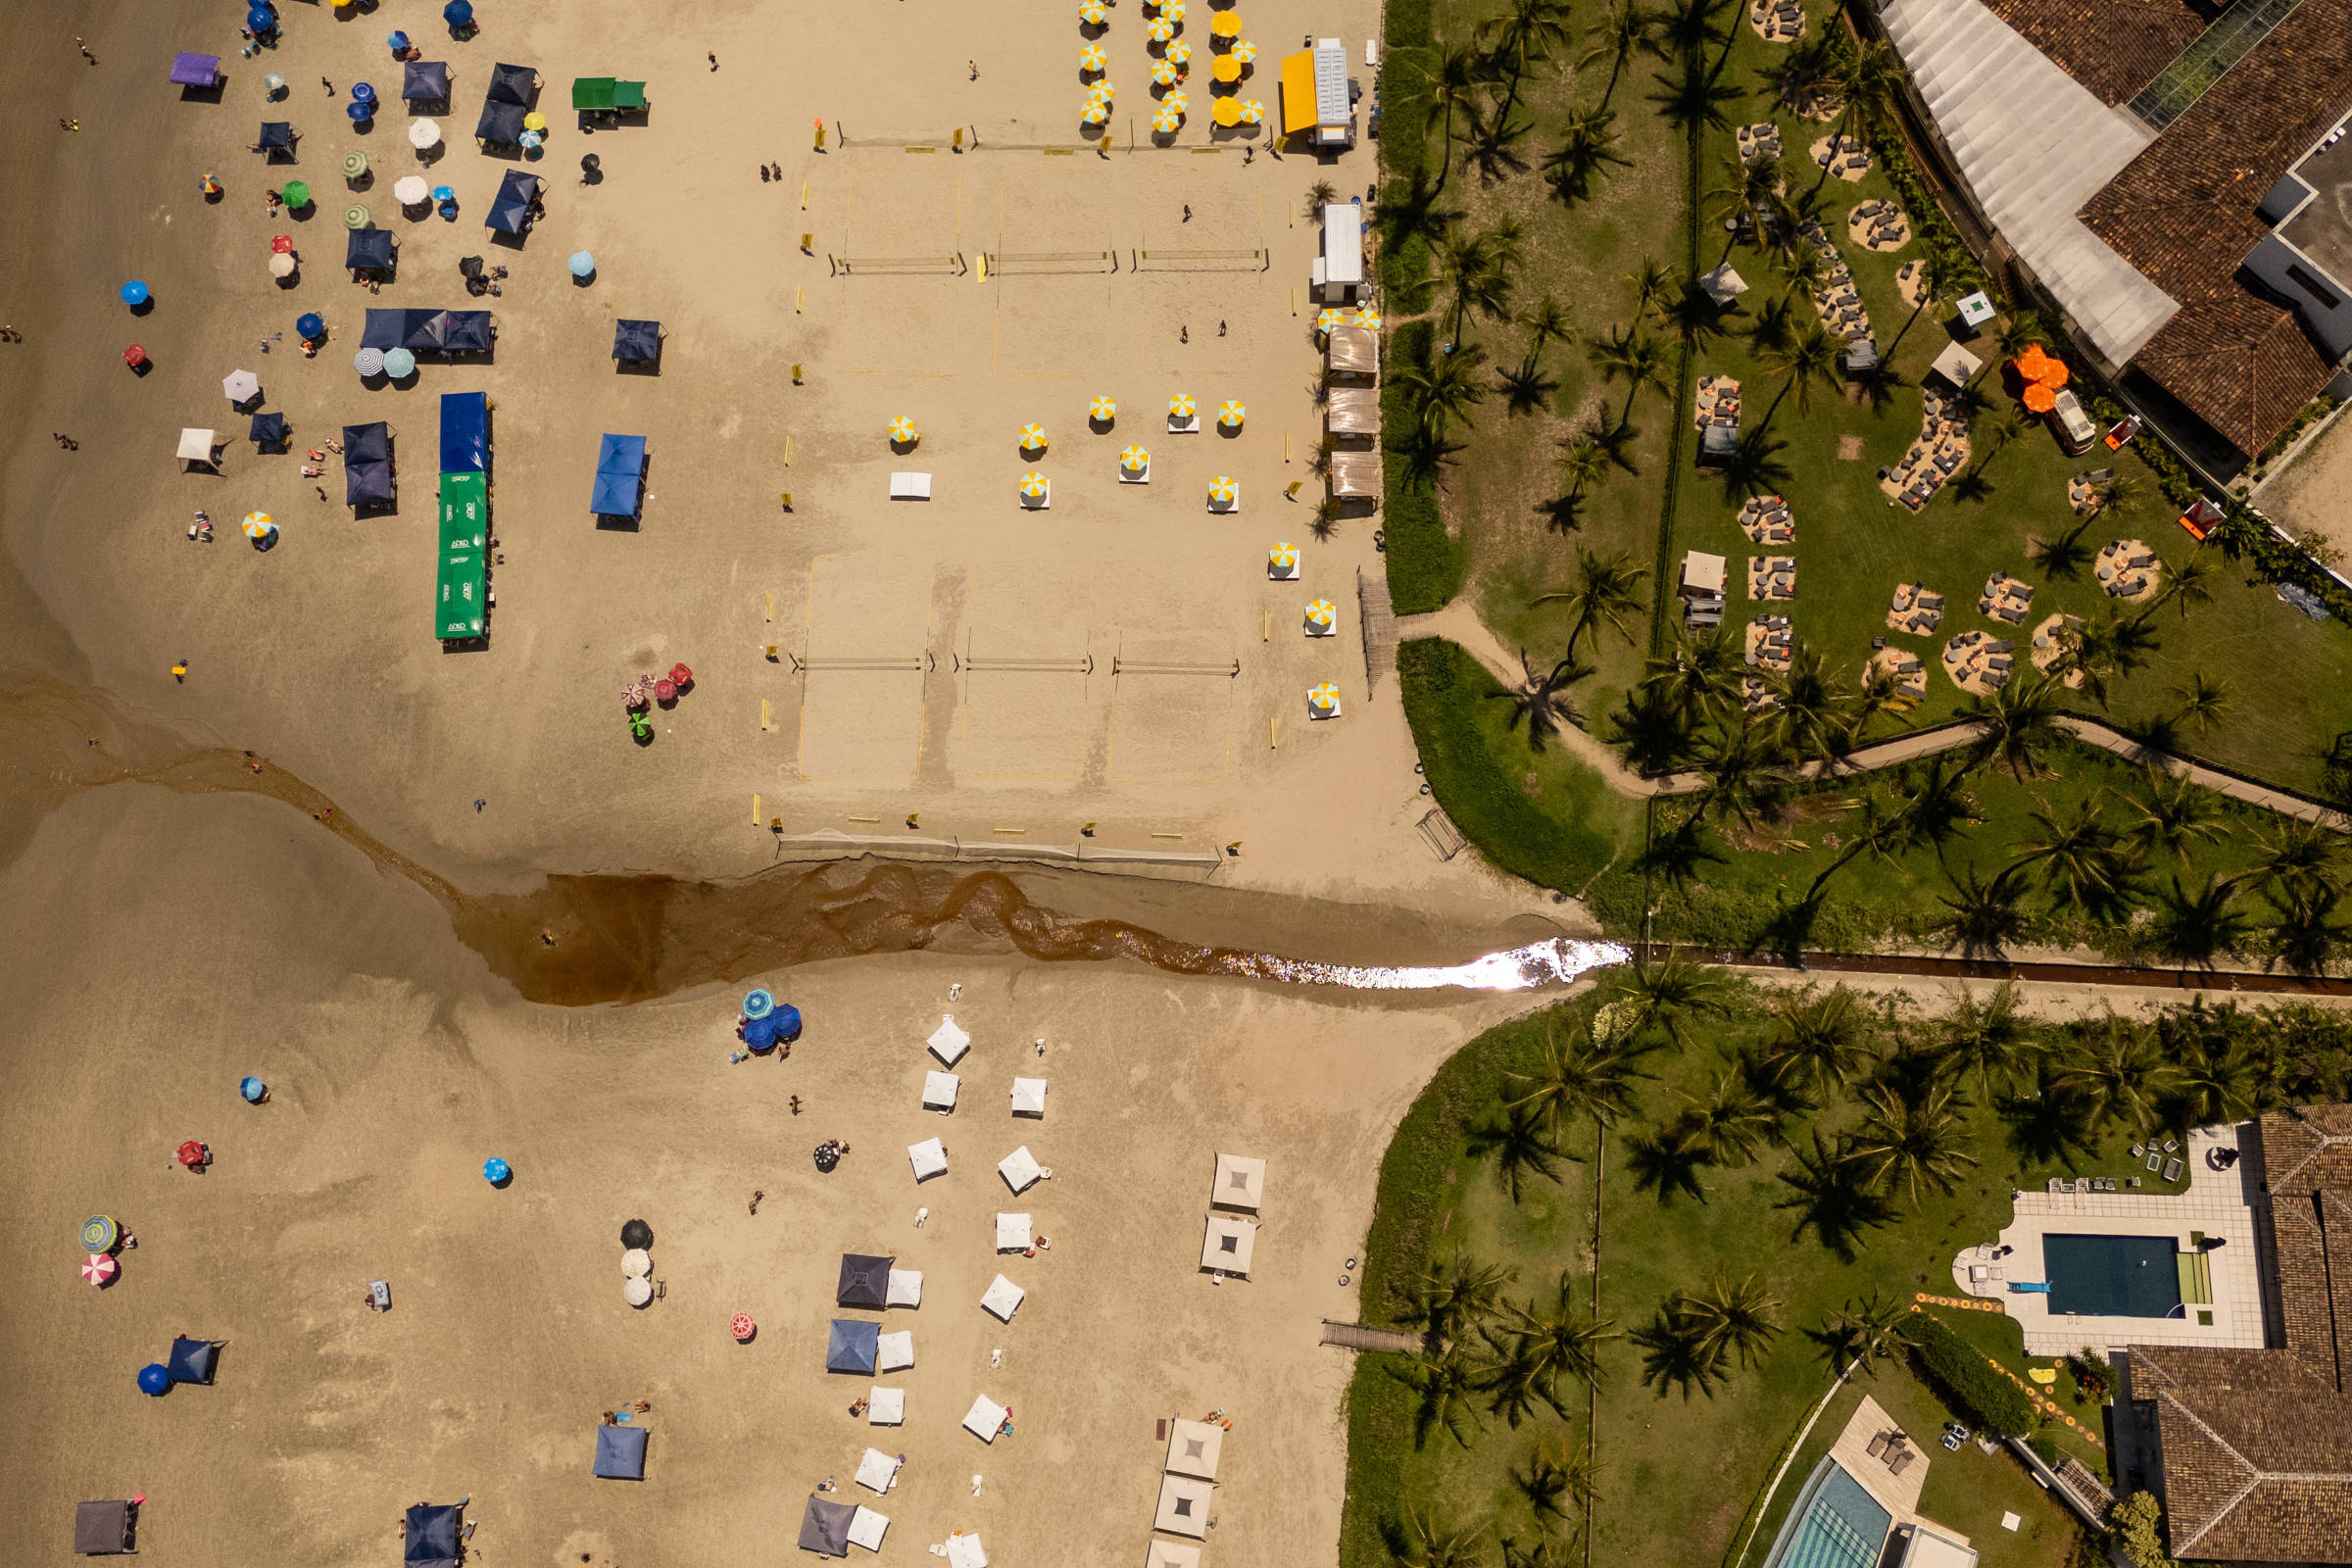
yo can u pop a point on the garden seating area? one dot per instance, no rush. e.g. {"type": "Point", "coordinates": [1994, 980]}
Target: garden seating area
{"type": "Point", "coordinates": [2006, 598]}
{"type": "Point", "coordinates": [1767, 521]}
{"type": "Point", "coordinates": [1915, 609]}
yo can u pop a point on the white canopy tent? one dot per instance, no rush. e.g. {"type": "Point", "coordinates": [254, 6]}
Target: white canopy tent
{"type": "Point", "coordinates": [885, 1407]}
{"type": "Point", "coordinates": [1353, 350]}
{"type": "Point", "coordinates": [928, 1157]}
{"type": "Point", "coordinates": [964, 1550]}
{"type": "Point", "coordinates": [1194, 1448]}
{"type": "Point", "coordinates": [1184, 1506]}
{"type": "Point", "coordinates": [1173, 1554]}
{"type": "Point", "coordinates": [1228, 1244]}
{"type": "Point", "coordinates": [1956, 366]}
{"type": "Point", "coordinates": [1013, 1233]}
{"type": "Point", "coordinates": [948, 1042]}
{"type": "Point", "coordinates": [196, 446]}
{"type": "Point", "coordinates": [1002, 1299]}
{"type": "Point", "coordinates": [877, 1470]}
{"type": "Point", "coordinates": [1241, 1183]}
{"type": "Point", "coordinates": [1020, 1170]}
{"type": "Point", "coordinates": [894, 1352]}
{"type": "Point", "coordinates": [905, 1288]}
{"type": "Point", "coordinates": [866, 1528]}
{"type": "Point", "coordinates": [939, 1091]}
{"type": "Point", "coordinates": [984, 1418]}
{"type": "Point", "coordinates": [1028, 1097]}
{"type": "Point", "coordinates": [1351, 411]}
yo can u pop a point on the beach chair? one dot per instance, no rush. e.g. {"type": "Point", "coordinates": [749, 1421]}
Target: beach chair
{"type": "Point", "coordinates": [2172, 1170]}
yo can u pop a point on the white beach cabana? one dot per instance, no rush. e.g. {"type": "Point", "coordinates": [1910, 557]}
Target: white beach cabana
{"type": "Point", "coordinates": [894, 1352]}
{"type": "Point", "coordinates": [1020, 1170]}
{"type": "Point", "coordinates": [928, 1157]}
{"type": "Point", "coordinates": [885, 1407]}
{"type": "Point", "coordinates": [196, 446]}
{"type": "Point", "coordinates": [948, 1042]}
{"type": "Point", "coordinates": [1002, 1299]}
{"type": "Point", "coordinates": [877, 1470]}
{"type": "Point", "coordinates": [1227, 1245]}
{"type": "Point", "coordinates": [984, 1418]}
{"type": "Point", "coordinates": [1173, 1554]}
{"type": "Point", "coordinates": [867, 1528]}
{"type": "Point", "coordinates": [1956, 366]}
{"type": "Point", "coordinates": [939, 1091]}
{"type": "Point", "coordinates": [1351, 411]}
{"type": "Point", "coordinates": [1029, 1097]}
{"type": "Point", "coordinates": [964, 1550]}
{"type": "Point", "coordinates": [1353, 349]}
{"type": "Point", "coordinates": [1184, 1506]}
{"type": "Point", "coordinates": [1194, 1448]}
{"type": "Point", "coordinates": [1239, 1183]}
{"type": "Point", "coordinates": [1356, 475]}
{"type": "Point", "coordinates": [1013, 1233]}
{"type": "Point", "coordinates": [905, 1288]}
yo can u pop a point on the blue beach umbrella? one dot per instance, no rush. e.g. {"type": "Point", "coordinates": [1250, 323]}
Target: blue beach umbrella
{"type": "Point", "coordinates": [362, 92]}
{"type": "Point", "coordinates": [253, 1089]}
{"type": "Point", "coordinates": [359, 112]}
{"type": "Point", "coordinates": [787, 1020]}
{"type": "Point", "coordinates": [398, 42]}
{"type": "Point", "coordinates": [259, 19]}
{"type": "Point", "coordinates": [496, 1171]}
{"type": "Point", "coordinates": [100, 1233]}
{"type": "Point", "coordinates": [458, 12]}
{"type": "Point", "coordinates": [399, 362]}
{"type": "Point", "coordinates": [154, 1378]}
{"type": "Point", "coordinates": [312, 325]}
{"type": "Point", "coordinates": [582, 263]}
{"type": "Point", "coordinates": [134, 292]}
{"type": "Point", "coordinates": [442, 193]}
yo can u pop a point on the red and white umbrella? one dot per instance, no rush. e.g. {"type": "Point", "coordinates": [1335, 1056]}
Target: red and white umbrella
{"type": "Point", "coordinates": [191, 1153]}
{"type": "Point", "coordinates": [740, 1325]}
{"type": "Point", "coordinates": [98, 1269]}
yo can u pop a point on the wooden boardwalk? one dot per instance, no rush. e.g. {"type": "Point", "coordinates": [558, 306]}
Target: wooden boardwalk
{"type": "Point", "coordinates": [1356, 1337]}
{"type": "Point", "coordinates": [1379, 614]}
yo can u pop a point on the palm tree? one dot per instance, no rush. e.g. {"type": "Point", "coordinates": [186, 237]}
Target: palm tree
{"type": "Point", "coordinates": [1620, 33]}
{"type": "Point", "coordinates": [1737, 1322]}
{"type": "Point", "coordinates": [2306, 934]}
{"type": "Point", "coordinates": [1690, 27]}
{"type": "Point", "coordinates": [1666, 1160]}
{"type": "Point", "coordinates": [1443, 388]}
{"type": "Point", "coordinates": [2302, 859]}
{"type": "Point", "coordinates": [2114, 645]}
{"type": "Point", "coordinates": [2123, 496]}
{"type": "Point", "coordinates": [1425, 453]}
{"type": "Point", "coordinates": [1743, 779]}
{"type": "Point", "coordinates": [1520, 1148]}
{"type": "Point", "coordinates": [2021, 724]}
{"type": "Point", "coordinates": [2065, 556]}
{"type": "Point", "coordinates": [2051, 1123]}
{"type": "Point", "coordinates": [1756, 468]}
{"type": "Point", "coordinates": [1446, 1382]}
{"type": "Point", "coordinates": [1652, 729]}
{"type": "Point", "coordinates": [1540, 699]}
{"type": "Point", "coordinates": [2021, 331]}
{"type": "Point", "coordinates": [1429, 1539]}
{"type": "Point", "coordinates": [1585, 153]}
{"type": "Point", "coordinates": [2189, 583]}
{"type": "Point", "coordinates": [2173, 815]}
{"type": "Point", "coordinates": [1870, 1329]}
{"type": "Point", "coordinates": [1491, 143]}
{"type": "Point", "coordinates": [1701, 677]}
{"type": "Point", "coordinates": [1870, 75]}
{"type": "Point", "coordinates": [1616, 441]}
{"type": "Point", "coordinates": [2204, 702]}
{"type": "Point", "coordinates": [1694, 102]}
{"type": "Point", "coordinates": [1521, 36]}
{"type": "Point", "coordinates": [1321, 194]}
{"type": "Point", "coordinates": [1455, 81]}
{"type": "Point", "coordinates": [1984, 918]}
{"type": "Point", "coordinates": [1667, 995]}
{"type": "Point", "coordinates": [1475, 272]}
{"type": "Point", "coordinates": [1456, 1295]}
{"type": "Point", "coordinates": [1628, 354]}
{"type": "Point", "coordinates": [1543, 1551]}
{"type": "Point", "coordinates": [1832, 1198]}
{"type": "Point", "coordinates": [2085, 863]}
{"type": "Point", "coordinates": [1824, 1042]}
{"type": "Point", "coordinates": [1915, 1142]}
{"type": "Point", "coordinates": [1605, 591]}
{"type": "Point", "coordinates": [1547, 323]}
{"type": "Point", "coordinates": [1678, 855]}
{"type": "Point", "coordinates": [1689, 314]}
{"type": "Point", "coordinates": [1750, 193]}
{"type": "Point", "coordinates": [1582, 463]}
{"type": "Point", "coordinates": [1580, 1077]}
{"type": "Point", "coordinates": [1411, 212]}
{"type": "Point", "coordinates": [1548, 1345]}
{"type": "Point", "coordinates": [1774, 325]}
{"type": "Point", "coordinates": [1799, 70]}
{"type": "Point", "coordinates": [1560, 1481]}
{"type": "Point", "coordinates": [1808, 361]}
{"type": "Point", "coordinates": [1934, 813]}
{"type": "Point", "coordinates": [2217, 1078]}
{"type": "Point", "coordinates": [1808, 718]}
{"type": "Point", "coordinates": [1674, 1354]}
{"type": "Point", "coordinates": [1989, 1038]}
{"type": "Point", "coordinates": [1526, 389]}
{"type": "Point", "coordinates": [2117, 1070]}
{"type": "Point", "coordinates": [1734, 1123]}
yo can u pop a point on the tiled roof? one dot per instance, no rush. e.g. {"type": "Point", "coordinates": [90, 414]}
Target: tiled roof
{"type": "Point", "coordinates": [2236, 361]}
{"type": "Point", "coordinates": [2113, 47]}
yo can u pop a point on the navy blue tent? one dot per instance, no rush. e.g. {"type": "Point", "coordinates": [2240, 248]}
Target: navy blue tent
{"type": "Point", "coordinates": [636, 340]}
{"type": "Point", "coordinates": [367, 464]}
{"type": "Point", "coordinates": [269, 432]}
{"type": "Point", "coordinates": [619, 477]}
{"type": "Point", "coordinates": [620, 1452]}
{"type": "Point", "coordinates": [191, 1361]}
{"type": "Point", "coordinates": [511, 213]}
{"type": "Point", "coordinates": [465, 432]}
{"type": "Point", "coordinates": [278, 136]}
{"type": "Point", "coordinates": [369, 250]}
{"type": "Point", "coordinates": [825, 1527]}
{"type": "Point", "coordinates": [509, 98]}
{"type": "Point", "coordinates": [428, 332]}
{"type": "Point", "coordinates": [864, 1281]}
{"type": "Point", "coordinates": [424, 81]}
{"type": "Point", "coordinates": [853, 1346]}
{"type": "Point", "coordinates": [432, 1536]}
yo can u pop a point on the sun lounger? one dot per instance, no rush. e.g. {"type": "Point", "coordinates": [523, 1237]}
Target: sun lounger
{"type": "Point", "coordinates": [2172, 1170]}
{"type": "Point", "coordinates": [907, 486]}
{"type": "Point", "coordinates": [1878, 1445]}
{"type": "Point", "coordinates": [1900, 1460]}
{"type": "Point", "coordinates": [2155, 1161]}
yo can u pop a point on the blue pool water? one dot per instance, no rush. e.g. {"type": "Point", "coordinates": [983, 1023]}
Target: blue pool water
{"type": "Point", "coordinates": [2113, 1276]}
{"type": "Point", "coordinates": [1836, 1524]}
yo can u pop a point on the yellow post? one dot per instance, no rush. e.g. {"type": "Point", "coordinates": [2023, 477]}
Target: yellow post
{"type": "Point", "coordinates": [1292, 489]}
{"type": "Point", "coordinates": [807, 243]}
{"type": "Point", "coordinates": [785, 496]}
{"type": "Point", "coordinates": [771, 608]}
{"type": "Point", "coordinates": [982, 269]}
{"type": "Point", "coordinates": [764, 723]}
{"type": "Point", "coordinates": [1293, 299]}
{"type": "Point", "coordinates": [1265, 630]}
{"type": "Point", "coordinates": [1285, 438]}
{"type": "Point", "coordinates": [769, 652]}
{"type": "Point", "coordinates": [1274, 732]}
{"type": "Point", "coordinates": [755, 811]}
{"type": "Point", "coordinates": [788, 452]}
{"type": "Point", "coordinates": [796, 378]}
{"type": "Point", "coordinates": [957, 142]}
{"type": "Point", "coordinates": [800, 298]}
{"type": "Point", "coordinates": [820, 136]}
{"type": "Point", "coordinates": [803, 195]}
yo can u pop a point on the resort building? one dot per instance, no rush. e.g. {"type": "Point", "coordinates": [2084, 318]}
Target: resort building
{"type": "Point", "coordinates": [2168, 172]}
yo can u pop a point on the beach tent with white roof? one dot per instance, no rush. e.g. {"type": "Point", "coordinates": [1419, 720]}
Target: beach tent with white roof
{"type": "Point", "coordinates": [1184, 1506]}
{"type": "Point", "coordinates": [1029, 1097]}
{"type": "Point", "coordinates": [196, 446]}
{"type": "Point", "coordinates": [948, 1042]}
{"type": "Point", "coordinates": [985, 1418]}
{"type": "Point", "coordinates": [1228, 1244]}
{"type": "Point", "coordinates": [1241, 1183]}
{"type": "Point", "coordinates": [964, 1550]}
{"type": "Point", "coordinates": [928, 1157]}
{"type": "Point", "coordinates": [1173, 1554]}
{"type": "Point", "coordinates": [1002, 1299]}
{"type": "Point", "coordinates": [939, 1091]}
{"type": "Point", "coordinates": [876, 1471]}
{"type": "Point", "coordinates": [905, 1288]}
{"type": "Point", "coordinates": [894, 1352]}
{"type": "Point", "coordinates": [1013, 1233]}
{"type": "Point", "coordinates": [1194, 1448]}
{"type": "Point", "coordinates": [885, 1407]}
{"type": "Point", "coordinates": [867, 1528]}
{"type": "Point", "coordinates": [1020, 1169]}
{"type": "Point", "coordinates": [825, 1528]}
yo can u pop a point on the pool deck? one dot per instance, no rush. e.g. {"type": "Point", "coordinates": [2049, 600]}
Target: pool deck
{"type": "Point", "coordinates": [2218, 1203]}
{"type": "Point", "coordinates": [1898, 1494]}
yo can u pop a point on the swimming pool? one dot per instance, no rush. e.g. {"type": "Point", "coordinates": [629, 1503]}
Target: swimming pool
{"type": "Point", "coordinates": [1836, 1524]}
{"type": "Point", "coordinates": [2113, 1276]}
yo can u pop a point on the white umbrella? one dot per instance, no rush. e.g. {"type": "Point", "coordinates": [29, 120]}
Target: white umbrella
{"type": "Point", "coordinates": [411, 190]}
{"type": "Point", "coordinates": [636, 1263]}
{"type": "Point", "coordinates": [637, 1291]}
{"type": "Point", "coordinates": [241, 386]}
{"type": "Point", "coordinates": [281, 264]}
{"type": "Point", "coordinates": [423, 133]}
{"type": "Point", "coordinates": [369, 361]}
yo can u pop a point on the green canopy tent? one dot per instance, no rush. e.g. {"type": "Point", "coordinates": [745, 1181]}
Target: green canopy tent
{"type": "Point", "coordinates": [464, 512]}
{"type": "Point", "coordinates": [606, 95]}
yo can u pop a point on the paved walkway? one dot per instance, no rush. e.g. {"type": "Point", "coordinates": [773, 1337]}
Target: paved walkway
{"type": "Point", "coordinates": [1458, 623]}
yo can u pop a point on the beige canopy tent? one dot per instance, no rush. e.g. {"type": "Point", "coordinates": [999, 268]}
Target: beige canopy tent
{"type": "Point", "coordinates": [196, 446]}
{"type": "Point", "coordinates": [1956, 365]}
{"type": "Point", "coordinates": [1356, 475]}
{"type": "Point", "coordinates": [894, 1352]}
{"type": "Point", "coordinates": [939, 1091]}
{"type": "Point", "coordinates": [905, 1288]}
{"type": "Point", "coordinates": [1029, 1097]}
{"type": "Point", "coordinates": [1173, 1554]}
{"type": "Point", "coordinates": [948, 1042]}
{"type": "Point", "coordinates": [1020, 1169]}
{"type": "Point", "coordinates": [1703, 573]}
{"type": "Point", "coordinates": [867, 1528]}
{"type": "Point", "coordinates": [985, 1418]}
{"type": "Point", "coordinates": [1239, 1183]}
{"type": "Point", "coordinates": [1001, 1298]}
{"type": "Point", "coordinates": [885, 1407]}
{"type": "Point", "coordinates": [1013, 1233]}
{"type": "Point", "coordinates": [1227, 1246]}
{"type": "Point", "coordinates": [1353, 350]}
{"type": "Point", "coordinates": [876, 1471]}
{"type": "Point", "coordinates": [1351, 411]}
{"type": "Point", "coordinates": [1192, 1449]}
{"type": "Point", "coordinates": [928, 1157]}
{"type": "Point", "coordinates": [1184, 1506]}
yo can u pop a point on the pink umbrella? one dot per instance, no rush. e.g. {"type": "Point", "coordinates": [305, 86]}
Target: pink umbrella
{"type": "Point", "coordinates": [98, 1269]}
{"type": "Point", "coordinates": [740, 1325]}
{"type": "Point", "coordinates": [665, 690]}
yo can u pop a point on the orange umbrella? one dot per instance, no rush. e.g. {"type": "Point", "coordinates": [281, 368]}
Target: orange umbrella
{"type": "Point", "coordinates": [2029, 363]}
{"type": "Point", "coordinates": [2041, 398]}
{"type": "Point", "coordinates": [2054, 375]}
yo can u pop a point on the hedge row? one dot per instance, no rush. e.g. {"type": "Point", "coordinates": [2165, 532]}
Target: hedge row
{"type": "Point", "coordinates": [1425, 563]}
{"type": "Point", "coordinates": [1972, 1383]}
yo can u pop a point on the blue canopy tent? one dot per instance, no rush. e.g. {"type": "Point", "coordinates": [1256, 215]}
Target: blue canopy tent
{"type": "Point", "coordinates": [269, 432]}
{"type": "Point", "coordinates": [278, 136]}
{"type": "Point", "coordinates": [825, 1527]}
{"type": "Point", "coordinates": [189, 70]}
{"type": "Point", "coordinates": [636, 340]}
{"type": "Point", "coordinates": [465, 432]}
{"type": "Point", "coordinates": [367, 464]}
{"type": "Point", "coordinates": [619, 481]}
{"type": "Point", "coordinates": [511, 90]}
{"type": "Point", "coordinates": [428, 332]}
{"type": "Point", "coordinates": [369, 250]}
{"type": "Point", "coordinates": [433, 1537]}
{"type": "Point", "coordinates": [424, 81]}
{"type": "Point", "coordinates": [620, 1452]}
{"type": "Point", "coordinates": [191, 1361]}
{"type": "Point", "coordinates": [511, 212]}
{"type": "Point", "coordinates": [853, 1346]}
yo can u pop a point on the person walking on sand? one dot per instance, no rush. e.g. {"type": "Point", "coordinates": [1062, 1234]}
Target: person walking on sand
{"type": "Point", "coordinates": [179, 672]}
{"type": "Point", "coordinates": [975, 65]}
{"type": "Point", "coordinates": [1183, 334]}
{"type": "Point", "coordinates": [713, 62]}
{"type": "Point", "coordinates": [1188, 212]}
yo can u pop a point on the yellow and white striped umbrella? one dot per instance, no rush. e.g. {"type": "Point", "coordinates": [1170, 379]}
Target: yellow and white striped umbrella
{"type": "Point", "coordinates": [1091, 14]}
{"type": "Point", "coordinates": [1231, 413]}
{"type": "Point", "coordinates": [1321, 615]}
{"type": "Point", "coordinates": [1033, 438]}
{"type": "Point", "coordinates": [1243, 50]}
{"type": "Point", "coordinates": [1252, 112]}
{"type": "Point", "coordinates": [1178, 53]}
{"type": "Point", "coordinates": [1165, 74]}
{"type": "Point", "coordinates": [1166, 120]}
{"type": "Point", "coordinates": [1366, 316]}
{"type": "Point", "coordinates": [901, 431]}
{"type": "Point", "coordinates": [1092, 59]}
{"type": "Point", "coordinates": [1181, 406]}
{"type": "Point", "coordinates": [1171, 10]}
{"type": "Point", "coordinates": [1323, 699]}
{"type": "Point", "coordinates": [1135, 459]}
{"type": "Point", "coordinates": [1224, 490]}
{"type": "Point", "coordinates": [258, 525]}
{"type": "Point", "coordinates": [1328, 317]}
{"type": "Point", "coordinates": [1176, 103]}
{"type": "Point", "coordinates": [1284, 557]}
{"type": "Point", "coordinates": [1033, 485]}
{"type": "Point", "coordinates": [1226, 25]}
{"type": "Point", "coordinates": [1103, 93]}
{"type": "Point", "coordinates": [1160, 31]}
{"type": "Point", "coordinates": [1095, 112]}
{"type": "Point", "coordinates": [1102, 411]}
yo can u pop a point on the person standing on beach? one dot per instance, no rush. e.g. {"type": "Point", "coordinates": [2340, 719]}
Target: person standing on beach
{"type": "Point", "coordinates": [85, 49]}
